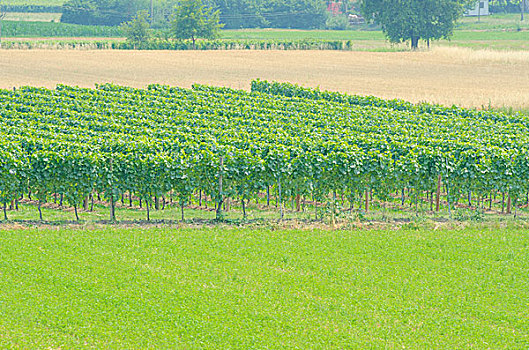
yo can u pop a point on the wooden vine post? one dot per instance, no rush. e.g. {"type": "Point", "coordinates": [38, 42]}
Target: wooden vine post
{"type": "Point", "coordinates": [220, 197]}
{"type": "Point", "coordinates": [280, 201]}
{"type": "Point", "coordinates": [438, 198]}
{"type": "Point", "coordinates": [112, 204]}
{"type": "Point", "coordinates": [148, 209]}
{"type": "Point", "coordinates": [298, 202]}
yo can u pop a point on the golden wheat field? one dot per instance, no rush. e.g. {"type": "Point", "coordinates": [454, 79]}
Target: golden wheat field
{"type": "Point", "coordinates": [443, 75]}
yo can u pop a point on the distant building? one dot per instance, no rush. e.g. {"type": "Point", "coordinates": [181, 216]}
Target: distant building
{"type": "Point", "coordinates": [481, 9]}
{"type": "Point", "coordinates": [334, 7]}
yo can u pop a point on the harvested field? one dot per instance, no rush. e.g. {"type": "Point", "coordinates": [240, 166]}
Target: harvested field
{"type": "Point", "coordinates": [443, 75]}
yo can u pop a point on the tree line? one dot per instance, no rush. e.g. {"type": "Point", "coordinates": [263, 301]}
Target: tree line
{"type": "Point", "coordinates": [233, 14]}
{"type": "Point", "coordinates": [509, 6]}
{"type": "Point", "coordinates": [401, 21]}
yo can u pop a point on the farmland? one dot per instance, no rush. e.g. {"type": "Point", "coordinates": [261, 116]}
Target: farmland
{"type": "Point", "coordinates": [497, 32]}
{"type": "Point", "coordinates": [167, 199]}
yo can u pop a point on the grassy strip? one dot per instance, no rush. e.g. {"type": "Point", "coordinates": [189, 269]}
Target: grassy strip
{"type": "Point", "coordinates": [279, 34]}
{"type": "Point", "coordinates": [360, 35]}
{"type": "Point", "coordinates": [394, 216]}
{"type": "Point", "coordinates": [502, 21]}
{"type": "Point", "coordinates": [213, 288]}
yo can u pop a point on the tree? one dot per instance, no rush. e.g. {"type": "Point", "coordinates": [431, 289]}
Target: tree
{"type": "Point", "coordinates": [137, 30]}
{"type": "Point", "coordinates": [298, 14]}
{"type": "Point", "coordinates": [236, 14]}
{"type": "Point", "coordinates": [2, 16]}
{"type": "Point", "coordinates": [415, 19]}
{"type": "Point", "coordinates": [523, 5]}
{"type": "Point", "coordinates": [511, 6]}
{"type": "Point", "coordinates": [192, 20]}
{"type": "Point", "coordinates": [101, 12]}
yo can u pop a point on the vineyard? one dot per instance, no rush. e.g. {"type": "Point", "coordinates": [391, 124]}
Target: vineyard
{"type": "Point", "coordinates": [302, 149]}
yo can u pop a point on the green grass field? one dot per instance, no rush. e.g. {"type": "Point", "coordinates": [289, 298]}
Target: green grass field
{"type": "Point", "coordinates": [376, 41]}
{"type": "Point", "coordinates": [285, 34]}
{"type": "Point", "coordinates": [239, 288]}
{"type": "Point", "coordinates": [510, 21]}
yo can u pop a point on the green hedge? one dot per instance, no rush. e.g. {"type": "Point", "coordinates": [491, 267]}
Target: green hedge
{"type": "Point", "coordinates": [49, 29]}
{"type": "Point", "coordinates": [183, 45]}
{"type": "Point", "coordinates": [33, 8]}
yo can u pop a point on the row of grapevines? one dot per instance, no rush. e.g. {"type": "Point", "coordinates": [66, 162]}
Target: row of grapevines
{"type": "Point", "coordinates": [294, 90]}
{"type": "Point", "coordinates": [150, 142]}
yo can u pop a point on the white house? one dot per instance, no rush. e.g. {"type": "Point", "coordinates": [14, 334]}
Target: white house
{"type": "Point", "coordinates": [481, 9]}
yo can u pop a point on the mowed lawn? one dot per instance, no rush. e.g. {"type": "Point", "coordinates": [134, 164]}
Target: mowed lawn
{"type": "Point", "coordinates": [242, 288]}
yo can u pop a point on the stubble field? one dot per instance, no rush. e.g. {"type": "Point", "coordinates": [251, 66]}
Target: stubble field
{"type": "Point", "coordinates": [470, 78]}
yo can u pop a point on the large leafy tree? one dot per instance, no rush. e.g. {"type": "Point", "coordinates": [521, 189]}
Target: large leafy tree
{"type": "Point", "coordinates": [192, 20]}
{"type": "Point", "coordinates": [415, 19]}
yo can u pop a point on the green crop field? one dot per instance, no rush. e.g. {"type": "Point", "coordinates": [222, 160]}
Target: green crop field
{"type": "Point", "coordinates": [239, 288]}
{"type": "Point", "coordinates": [28, 29]}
